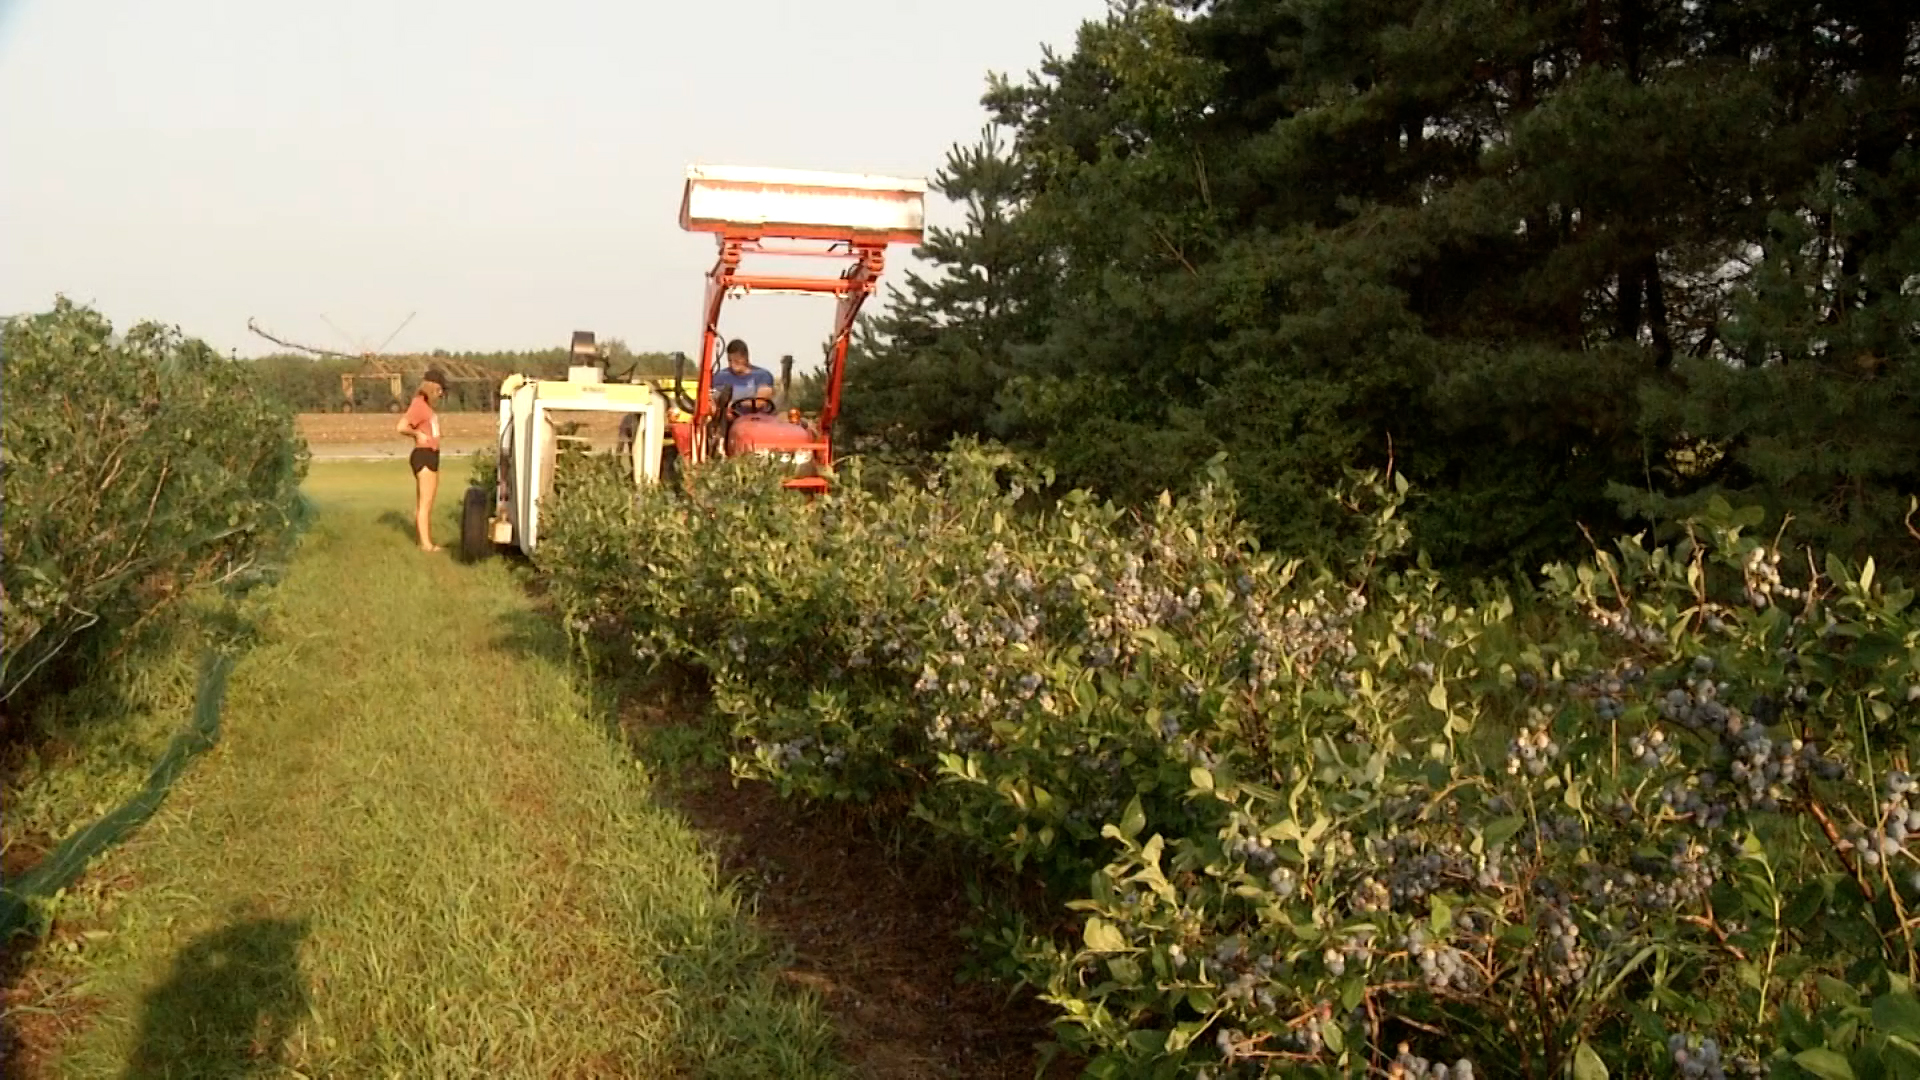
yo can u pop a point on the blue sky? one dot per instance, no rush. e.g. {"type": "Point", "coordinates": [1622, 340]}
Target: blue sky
{"type": "Point", "coordinates": [511, 172]}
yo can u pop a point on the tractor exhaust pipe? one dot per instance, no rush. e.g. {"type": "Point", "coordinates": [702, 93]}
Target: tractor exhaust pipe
{"type": "Point", "coordinates": [786, 380]}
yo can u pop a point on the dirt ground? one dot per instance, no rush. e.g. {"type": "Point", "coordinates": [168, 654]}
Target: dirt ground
{"type": "Point", "coordinates": [878, 934]}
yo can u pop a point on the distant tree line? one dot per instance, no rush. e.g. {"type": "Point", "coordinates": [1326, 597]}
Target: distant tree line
{"type": "Point", "coordinates": [312, 384]}
{"type": "Point", "coordinates": [1564, 263]}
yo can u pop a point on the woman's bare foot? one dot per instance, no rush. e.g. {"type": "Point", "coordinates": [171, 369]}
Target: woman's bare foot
{"type": "Point", "coordinates": [430, 548]}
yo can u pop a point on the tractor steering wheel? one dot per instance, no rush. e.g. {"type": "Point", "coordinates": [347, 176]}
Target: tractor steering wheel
{"type": "Point", "coordinates": [753, 405]}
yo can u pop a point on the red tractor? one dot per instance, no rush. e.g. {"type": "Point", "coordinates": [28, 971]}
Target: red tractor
{"type": "Point", "coordinates": [784, 214]}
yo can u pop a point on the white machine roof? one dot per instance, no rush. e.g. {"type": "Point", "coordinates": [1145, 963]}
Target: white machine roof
{"type": "Point", "coordinates": [719, 198]}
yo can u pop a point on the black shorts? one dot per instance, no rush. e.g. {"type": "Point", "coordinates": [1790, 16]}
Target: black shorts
{"type": "Point", "coordinates": [423, 458]}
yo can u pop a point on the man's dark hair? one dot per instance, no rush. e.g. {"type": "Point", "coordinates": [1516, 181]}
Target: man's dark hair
{"type": "Point", "coordinates": [736, 347]}
{"type": "Point", "coordinates": [436, 376]}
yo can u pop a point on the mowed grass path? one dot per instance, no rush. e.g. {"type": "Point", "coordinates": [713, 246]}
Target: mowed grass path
{"type": "Point", "coordinates": [416, 853]}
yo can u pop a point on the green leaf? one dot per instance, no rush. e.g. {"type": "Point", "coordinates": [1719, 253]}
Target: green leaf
{"type": "Point", "coordinates": [1335, 1038]}
{"type": "Point", "coordinates": [1147, 1040]}
{"type": "Point", "coordinates": [1183, 1035]}
{"type": "Point", "coordinates": [1805, 905]}
{"type": "Point", "coordinates": [1134, 819]}
{"type": "Point", "coordinates": [1103, 936]}
{"type": "Point", "coordinates": [1825, 1064]}
{"type": "Point", "coordinates": [1837, 992]}
{"type": "Point", "coordinates": [1352, 992]}
{"type": "Point", "coordinates": [1437, 696]}
{"type": "Point", "coordinates": [1898, 1014]}
{"type": "Point", "coordinates": [1587, 1064]}
{"type": "Point", "coordinates": [1201, 778]}
{"type": "Point", "coordinates": [1501, 830]}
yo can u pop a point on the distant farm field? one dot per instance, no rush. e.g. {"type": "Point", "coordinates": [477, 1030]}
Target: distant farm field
{"type": "Point", "coordinates": [337, 435]}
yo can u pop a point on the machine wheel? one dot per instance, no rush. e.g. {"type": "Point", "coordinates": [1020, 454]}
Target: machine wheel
{"type": "Point", "coordinates": [476, 525]}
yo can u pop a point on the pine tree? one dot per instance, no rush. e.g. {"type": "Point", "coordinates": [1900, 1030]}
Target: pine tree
{"type": "Point", "coordinates": [929, 367]}
{"type": "Point", "coordinates": [1567, 263]}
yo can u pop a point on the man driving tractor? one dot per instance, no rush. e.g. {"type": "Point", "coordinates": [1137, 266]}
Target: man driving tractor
{"type": "Point", "coordinates": [742, 378]}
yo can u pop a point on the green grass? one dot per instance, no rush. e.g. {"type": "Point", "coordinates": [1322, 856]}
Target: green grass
{"type": "Point", "coordinates": [418, 852]}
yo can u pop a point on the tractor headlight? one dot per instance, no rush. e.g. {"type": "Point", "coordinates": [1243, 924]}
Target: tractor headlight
{"type": "Point", "coordinates": [790, 457]}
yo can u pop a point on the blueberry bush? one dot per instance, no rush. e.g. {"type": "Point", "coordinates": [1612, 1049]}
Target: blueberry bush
{"type": "Point", "coordinates": [136, 467]}
{"type": "Point", "coordinates": [1655, 817]}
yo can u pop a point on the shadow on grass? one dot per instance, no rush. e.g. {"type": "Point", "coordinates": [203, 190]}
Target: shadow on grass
{"type": "Point", "coordinates": [398, 522]}
{"type": "Point", "coordinates": [539, 634]}
{"type": "Point", "coordinates": [536, 635]}
{"type": "Point", "coordinates": [227, 1007]}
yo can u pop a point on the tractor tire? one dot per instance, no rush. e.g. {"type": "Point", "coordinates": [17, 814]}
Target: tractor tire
{"type": "Point", "coordinates": [476, 525]}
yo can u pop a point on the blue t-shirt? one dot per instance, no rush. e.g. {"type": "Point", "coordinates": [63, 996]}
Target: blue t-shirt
{"type": "Point", "coordinates": [743, 385]}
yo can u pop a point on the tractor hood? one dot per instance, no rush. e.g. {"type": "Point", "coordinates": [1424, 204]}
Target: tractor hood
{"type": "Point", "coordinates": [755, 433]}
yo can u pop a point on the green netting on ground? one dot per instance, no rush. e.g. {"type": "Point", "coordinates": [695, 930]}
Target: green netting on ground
{"type": "Point", "coordinates": [20, 896]}
{"type": "Point", "coordinates": [64, 864]}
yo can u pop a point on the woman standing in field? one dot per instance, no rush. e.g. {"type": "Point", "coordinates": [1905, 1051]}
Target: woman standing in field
{"type": "Point", "coordinates": [423, 424]}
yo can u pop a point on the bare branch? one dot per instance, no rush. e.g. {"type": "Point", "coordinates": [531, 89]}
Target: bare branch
{"type": "Point", "coordinates": [255, 327]}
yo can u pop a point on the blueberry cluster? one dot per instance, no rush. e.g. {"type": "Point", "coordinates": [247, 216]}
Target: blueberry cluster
{"type": "Point", "coordinates": [1696, 1059]}
{"type": "Point", "coordinates": [1336, 961]}
{"type": "Point", "coordinates": [1690, 799]}
{"type": "Point", "coordinates": [1311, 631]}
{"type": "Point", "coordinates": [1652, 750]}
{"type": "Point", "coordinates": [1630, 629]}
{"type": "Point", "coordinates": [946, 733]}
{"type": "Point", "coordinates": [1532, 749]}
{"type": "Point", "coordinates": [1356, 949]}
{"type": "Point", "coordinates": [1898, 823]}
{"type": "Point", "coordinates": [1763, 584]}
{"type": "Point", "coordinates": [1283, 881]}
{"type": "Point", "coordinates": [1408, 1066]}
{"type": "Point", "coordinates": [1553, 830]}
{"type": "Point", "coordinates": [1251, 984]}
{"type": "Point", "coordinates": [1607, 689]}
{"type": "Point", "coordinates": [1256, 850]}
{"type": "Point", "coordinates": [1761, 772]}
{"type": "Point", "coordinates": [1442, 967]}
{"type": "Point", "coordinates": [1654, 885]}
{"type": "Point", "coordinates": [788, 754]}
{"type": "Point", "coordinates": [1309, 1037]}
{"type": "Point", "coordinates": [1415, 870]}
{"type": "Point", "coordinates": [1491, 873]}
{"type": "Point", "coordinates": [1694, 870]}
{"type": "Point", "coordinates": [1370, 896]}
{"type": "Point", "coordinates": [1566, 958]}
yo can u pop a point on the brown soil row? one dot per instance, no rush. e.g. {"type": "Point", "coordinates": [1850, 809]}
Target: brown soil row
{"type": "Point", "coordinates": [879, 934]}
